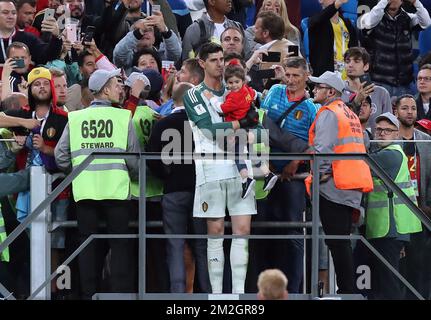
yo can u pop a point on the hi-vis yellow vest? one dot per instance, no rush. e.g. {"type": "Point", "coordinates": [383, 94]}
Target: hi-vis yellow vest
{"type": "Point", "coordinates": [143, 121]}
{"type": "Point", "coordinates": [380, 206]}
{"type": "Point", "coordinates": [260, 147]}
{"type": "Point", "coordinates": [103, 129]}
{"type": "Point", "coordinates": [4, 255]}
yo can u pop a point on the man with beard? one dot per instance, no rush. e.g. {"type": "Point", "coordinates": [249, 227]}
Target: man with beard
{"type": "Point", "coordinates": [42, 106]}
{"type": "Point", "coordinates": [364, 115]}
{"type": "Point", "coordinates": [418, 259]}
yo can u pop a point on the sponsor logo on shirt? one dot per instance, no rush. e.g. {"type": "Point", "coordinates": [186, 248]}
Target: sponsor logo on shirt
{"type": "Point", "coordinates": [199, 109]}
{"type": "Point", "coordinates": [204, 207]}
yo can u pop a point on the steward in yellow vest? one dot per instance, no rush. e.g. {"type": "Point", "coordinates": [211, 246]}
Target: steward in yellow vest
{"type": "Point", "coordinates": [388, 220]}
{"type": "Point", "coordinates": [100, 190]}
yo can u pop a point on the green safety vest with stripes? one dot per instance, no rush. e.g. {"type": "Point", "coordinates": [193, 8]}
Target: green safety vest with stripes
{"type": "Point", "coordinates": [6, 134]}
{"type": "Point", "coordinates": [143, 121]}
{"type": "Point", "coordinates": [380, 205]}
{"type": "Point", "coordinates": [4, 255]}
{"type": "Point", "coordinates": [101, 129]}
{"type": "Point", "coordinates": [260, 147]}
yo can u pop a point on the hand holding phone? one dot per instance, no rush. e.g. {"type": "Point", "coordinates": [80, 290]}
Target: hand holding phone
{"type": "Point", "coordinates": [71, 33]}
{"type": "Point", "coordinates": [49, 13]}
{"type": "Point", "coordinates": [155, 8]}
{"type": "Point", "coordinates": [272, 56]}
{"type": "Point", "coordinates": [89, 34]}
{"type": "Point", "coordinates": [293, 51]}
{"type": "Point", "coordinates": [266, 74]}
{"type": "Point", "coordinates": [365, 78]}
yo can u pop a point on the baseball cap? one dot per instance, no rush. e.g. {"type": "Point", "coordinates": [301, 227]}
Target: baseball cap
{"type": "Point", "coordinates": [100, 77]}
{"type": "Point", "coordinates": [389, 117]}
{"type": "Point", "coordinates": [424, 123]}
{"type": "Point", "coordinates": [155, 79]}
{"type": "Point", "coordinates": [332, 79]}
{"type": "Point", "coordinates": [38, 73]}
{"type": "Point", "coordinates": [138, 76]}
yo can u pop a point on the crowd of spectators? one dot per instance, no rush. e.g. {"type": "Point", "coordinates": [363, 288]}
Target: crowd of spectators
{"type": "Point", "coordinates": [122, 75]}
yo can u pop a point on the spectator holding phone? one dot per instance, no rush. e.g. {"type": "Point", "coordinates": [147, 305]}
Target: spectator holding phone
{"type": "Point", "coordinates": [144, 37]}
{"type": "Point", "coordinates": [290, 31]}
{"type": "Point", "coordinates": [55, 9]}
{"type": "Point", "coordinates": [40, 51]}
{"type": "Point", "coordinates": [16, 67]}
{"type": "Point", "coordinates": [269, 33]}
{"type": "Point", "coordinates": [388, 34]}
{"type": "Point", "coordinates": [359, 86]}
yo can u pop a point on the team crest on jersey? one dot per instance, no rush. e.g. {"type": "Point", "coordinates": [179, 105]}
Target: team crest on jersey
{"type": "Point", "coordinates": [298, 114]}
{"type": "Point", "coordinates": [199, 109]}
{"type": "Point", "coordinates": [204, 207]}
{"type": "Point", "coordinates": [50, 132]}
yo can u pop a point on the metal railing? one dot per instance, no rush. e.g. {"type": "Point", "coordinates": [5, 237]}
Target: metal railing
{"type": "Point", "coordinates": [39, 212]}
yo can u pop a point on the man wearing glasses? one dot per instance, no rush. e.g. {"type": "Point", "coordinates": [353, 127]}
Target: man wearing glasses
{"type": "Point", "coordinates": [337, 129]}
{"type": "Point", "coordinates": [424, 88]}
{"type": "Point", "coordinates": [388, 221]}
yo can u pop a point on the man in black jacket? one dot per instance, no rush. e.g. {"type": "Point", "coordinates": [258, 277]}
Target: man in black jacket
{"type": "Point", "coordinates": [330, 36]}
{"type": "Point", "coordinates": [388, 30]}
{"type": "Point", "coordinates": [177, 202]}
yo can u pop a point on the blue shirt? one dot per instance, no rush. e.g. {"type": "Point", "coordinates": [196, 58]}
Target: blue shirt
{"type": "Point", "coordinates": [166, 108]}
{"type": "Point", "coordinates": [179, 7]}
{"type": "Point", "coordinates": [297, 122]}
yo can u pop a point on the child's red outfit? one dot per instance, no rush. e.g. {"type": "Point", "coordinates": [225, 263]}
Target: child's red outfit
{"type": "Point", "coordinates": [238, 103]}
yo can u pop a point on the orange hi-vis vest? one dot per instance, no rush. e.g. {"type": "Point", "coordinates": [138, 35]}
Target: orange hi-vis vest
{"type": "Point", "coordinates": [347, 174]}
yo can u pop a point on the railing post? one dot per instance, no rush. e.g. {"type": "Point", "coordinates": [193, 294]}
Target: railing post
{"type": "Point", "coordinates": [142, 227]}
{"type": "Point", "coordinates": [315, 230]}
{"type": "Point", "coordinates": [40, 239]}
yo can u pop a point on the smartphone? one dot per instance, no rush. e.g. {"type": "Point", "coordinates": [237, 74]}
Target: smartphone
{"type": "Point", "coordinates": [89, 34]}
{"type": "Point", "coordinates": [48, 13]}
{"type": "Point", "coordinates": [272, 56]}
{"type": "Point", "coordinates": [155, 7]}
{"type": "Point", "coordinates": [19, 63]}
{"type": "Point", "coordinates": [266, 74]}
{"type": "Point", "coordinates": [365, 78]}
{"type": "Point", "coordinates": [294, 50]}
{"type": "Point", "coordinates": [71, 33]}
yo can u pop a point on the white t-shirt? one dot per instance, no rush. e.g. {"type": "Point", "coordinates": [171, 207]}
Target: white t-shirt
{"type": "Point", "coordinates": [218, 30]}
{"type": "Point", "coordinates": [426, 107]}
